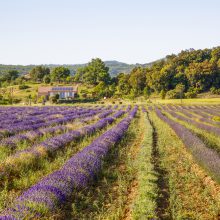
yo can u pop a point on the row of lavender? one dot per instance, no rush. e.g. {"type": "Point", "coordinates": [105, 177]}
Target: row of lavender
{"type": "Point", "coordinates": [205, 156]}
{"type": "Point", "coordinates": [189, 119]}
{"type": "Point", "coordinates": [201, 116]}
{"type": "Point", "coordinates": [32, 114]}
{"type": "Point", "coordinates": [12, 141]}
{"type": "Point", "coordinates": [54, 190]}
{"type": "Point", "coordinates": [18, 114]}
{"type": "Point", "coordinates": [200, 112]}
{"type": "Point", "coordinates": [10, 127]}
{"type": "Point", "coordinates": [51, 145]}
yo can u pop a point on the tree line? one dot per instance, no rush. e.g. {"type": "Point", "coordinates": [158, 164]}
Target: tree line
{"type": "Point", "coordinates": [40, 74]}
{"type": "Point", "coordinates": [176, 76]}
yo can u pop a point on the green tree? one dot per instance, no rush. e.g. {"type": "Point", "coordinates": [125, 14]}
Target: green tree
{"type": "Point", "coordinates": [10, 76]}
{"type": "Point", "coordinates": [137, 80]}
{"type": "Point", "coordinates": [146, 92]}
{"type": "Point", "coordinates": [203, 75]}
{"type": "Point", "coordinates": [38, 73]}
{"type": "Point", "coordinates": [180, 88]}
{"type": "Point", "coordinates": [60, 74]}
{"type": "Point", "coordinates": [123, 86]}
{"type": "Point", "coordinates": [94, 73]}
{"type": "Point", "coordinates": [103, 90]}
{"type": "Point", "coordinates": [78, 77]}
{"type": "Point", "coordinates": [46, 79]}
{"type": "Point", "coordinates": [177, 93]}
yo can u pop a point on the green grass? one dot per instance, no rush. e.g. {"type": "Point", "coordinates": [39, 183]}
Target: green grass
{"type": "Point", "coordinates": [192, 193]}
{"type": "Point", "coordinates": [22, 94]}
{"type": "Point", "coordinates": [106, 197]}
{"type": "Point", "coordinates": [145, 203]}
{"type": "Point", "coordinates": [14, 165]}
{"type": "Point", "coordinates": [29, 175]}
{"type": "Point", "coordinates": [127, 184]}
{"type": "Point", "coordinates": [149, 174]}
{"type": "Point", "coordinates": [198, 118]}
{"type": "Point", "coordinates": [196, 101]}
{"type": "Point", "coordinates": [24, 144]}
{"type": "Point", "coordinates": [210, 139]}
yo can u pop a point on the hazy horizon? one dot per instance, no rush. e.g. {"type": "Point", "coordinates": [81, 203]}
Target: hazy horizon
{"type": "Point", "coordinates": [74, 32]}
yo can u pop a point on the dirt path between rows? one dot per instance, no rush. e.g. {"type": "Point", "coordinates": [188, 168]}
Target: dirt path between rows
{"type": "Point", "coordinates": [162, 182]}
{"type": "Point", "coordinates": [132, 189]}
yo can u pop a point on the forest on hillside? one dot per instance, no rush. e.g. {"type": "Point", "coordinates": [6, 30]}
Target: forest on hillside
{"type": "Point", "coordinates": [184, 75]}
{"type": "Point", "coordinates": [115, 67]}
{"type": "Point", "coordinates": [177, 76]}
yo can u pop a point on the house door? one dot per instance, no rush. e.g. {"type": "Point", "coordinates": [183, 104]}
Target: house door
{"type": "Point", "coordinates": [62, 95]}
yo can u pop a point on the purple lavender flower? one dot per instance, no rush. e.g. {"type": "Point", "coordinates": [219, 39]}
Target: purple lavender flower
{"type": "Point", "coordinates": [205, 156]}
{"type": "Point", "coordinates": [76, 173]}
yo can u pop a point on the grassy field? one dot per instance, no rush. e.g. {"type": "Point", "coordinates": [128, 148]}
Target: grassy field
{"type": "Point", "coordinates": [138, 161]}
{"type": "Point", "coordinates": [22, 94]}
{"type": "Point", "coordinates": [196, 101]}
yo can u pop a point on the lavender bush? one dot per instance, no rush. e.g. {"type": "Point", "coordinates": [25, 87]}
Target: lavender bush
{"type": "Point", "coordinates": [52, 144]}
{"type": "Point", "coordinates": [207, 157]}
{"type": "Point", "coordinates": [54, 190]}
{"type": "Point", "coordinates": [13, 141]}
{"type": "Point", "coordinates": [200, 125]}
{"type": "Point", "coordinates": [12, 124]}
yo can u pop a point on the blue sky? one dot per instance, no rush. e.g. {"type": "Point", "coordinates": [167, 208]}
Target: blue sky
{"type": "Point", "coordinates": [132, 31]}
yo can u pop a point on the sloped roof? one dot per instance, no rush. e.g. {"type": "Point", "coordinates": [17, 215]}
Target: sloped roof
{"type": "Point", "coordinates": [46, 89]}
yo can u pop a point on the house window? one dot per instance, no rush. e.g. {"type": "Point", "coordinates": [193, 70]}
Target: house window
{"type": "Point", "coordinates": [62, 95]}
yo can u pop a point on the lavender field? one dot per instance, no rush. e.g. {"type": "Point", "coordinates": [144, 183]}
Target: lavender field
{"type": "Point", "coordinates": [110, 162]}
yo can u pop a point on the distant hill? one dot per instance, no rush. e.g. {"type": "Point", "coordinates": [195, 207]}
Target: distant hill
{"type": "Point", "coordinates": [115, 67]}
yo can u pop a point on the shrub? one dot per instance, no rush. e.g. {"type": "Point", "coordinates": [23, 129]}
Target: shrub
{"type": "Point", "coordinates": [4, 102]}
{"type": "Point", "coordinates": [215, 91]}
{"type": "Point", "coordinates": [34, 98]}
{"type": "Point", "coordinates": [41, 99]}
{"type": "Point", "coordinates": [172, 94]}
{"type": "Point", "coordinates": [54, 99]}
{"type": "Point", "coordinates": [176, 93]}
{"type": "Point", "coordinates": [76, 95]}
{"type": "Point", "coordinates": [163, 94]}
{"type": "Point", "coordinates": [15, 101]}
{"type": "Point", "coordinates": [190, 94]}
{"type": "Point", "coordinates": [22, 87]}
